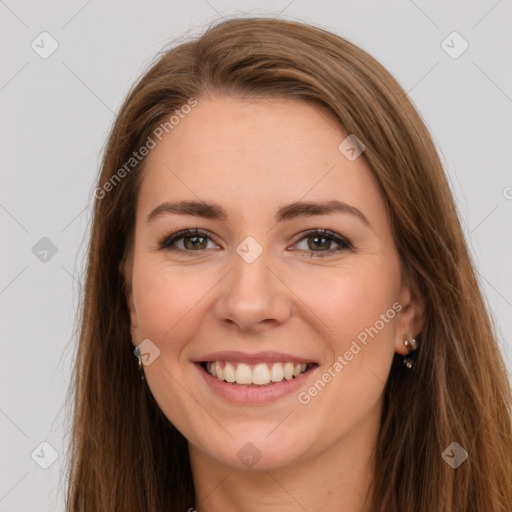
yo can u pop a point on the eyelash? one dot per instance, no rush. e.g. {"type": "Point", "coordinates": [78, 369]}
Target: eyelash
{"type": "Point", "coordinates": [166, 243]}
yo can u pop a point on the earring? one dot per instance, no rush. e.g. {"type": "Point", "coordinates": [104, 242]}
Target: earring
{"type": "Point", "coordinates": [139, 357]}
{"type": "Point", "coordinates": [408, 358]}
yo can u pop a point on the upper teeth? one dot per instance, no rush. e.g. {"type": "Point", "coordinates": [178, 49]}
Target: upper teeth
{"type": "Point", "coordinates": [261, 373]}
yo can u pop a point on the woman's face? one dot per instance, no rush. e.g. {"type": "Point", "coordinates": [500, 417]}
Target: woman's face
{"type": "Point", "coordinates": [256, 296]}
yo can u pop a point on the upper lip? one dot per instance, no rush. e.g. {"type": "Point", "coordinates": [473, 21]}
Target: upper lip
{"type": "Point", "coordinates": [245, 357]}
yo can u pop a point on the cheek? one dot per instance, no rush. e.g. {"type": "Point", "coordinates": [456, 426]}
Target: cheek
{"type": "Point", "coordinates": [165, 300]}
{"type": "Point", "coordinates": [359, 313]}
{"type": "Point", "coordinates": [358, 325]}
{"type": "Point", "coordinates": [352, 300]}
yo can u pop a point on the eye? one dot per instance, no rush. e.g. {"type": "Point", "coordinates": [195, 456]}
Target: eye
{"type": "Point", "coordinates": [195, 240]}
{"type": "Point", "coordinates": [323, 239]}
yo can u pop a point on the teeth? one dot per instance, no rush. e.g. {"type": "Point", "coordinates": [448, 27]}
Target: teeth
{"type": "Point", "coordinates": [219, 371]}
{"type": "Point", "coordinates": [288, 371]}
{"type": "Point", "coordinates": [261, 374]}
{"type": "Point", "coordinates": [243, 374]}
{"type": "Point", "coordinates": [229, 373]}
{"type": "Point", "coordinates": [276, 373]}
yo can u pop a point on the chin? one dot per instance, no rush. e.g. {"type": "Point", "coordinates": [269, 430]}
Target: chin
{"type": "Point", "coordinates": [257, 450]}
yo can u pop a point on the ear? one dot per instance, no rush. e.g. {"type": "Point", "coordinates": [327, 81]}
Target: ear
{"type": "Point", "coordinates": [126, 270]}
{"type": "Point", "coordinates": [411, 318]}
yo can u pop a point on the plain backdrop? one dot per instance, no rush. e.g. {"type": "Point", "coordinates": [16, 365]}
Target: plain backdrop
{"type": "Point", "coordinates": [57, 109]}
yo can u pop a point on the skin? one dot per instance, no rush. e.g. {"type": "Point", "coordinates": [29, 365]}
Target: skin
{"type": "Point", "coordinates": [252, 157]}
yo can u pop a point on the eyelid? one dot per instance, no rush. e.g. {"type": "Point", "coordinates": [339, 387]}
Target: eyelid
{"type": "Point", "coordinates": [168, 240]}
{"type": "Point", "coordinates": [324, 232]}
{"type": "Point", "coordinates": [343, 242]}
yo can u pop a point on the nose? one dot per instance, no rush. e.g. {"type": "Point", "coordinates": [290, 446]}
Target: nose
{"type": "Point", "coordinates": [253, 298]}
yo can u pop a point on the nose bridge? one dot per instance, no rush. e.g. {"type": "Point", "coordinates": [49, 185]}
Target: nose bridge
{"type": "Point", "coordinates": [251, 274]}
{"type": "Point", "coordinates": [253, 293]}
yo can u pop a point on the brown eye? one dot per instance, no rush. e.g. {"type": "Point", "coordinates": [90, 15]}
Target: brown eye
{"type": "Point", "coordinates": [320, 241]}
{"type": "Point", "coordinates": [193, 240]}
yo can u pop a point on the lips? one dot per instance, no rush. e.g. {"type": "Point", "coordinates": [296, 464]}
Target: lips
{"type": "Point", "coordinates": [253, 359]}
{"type": "Point", "coordinates": [260, 368]}
{"type": "Point", "coordinates": [254, 394]}
{"type": "Point", "coordinates": [255, 378]}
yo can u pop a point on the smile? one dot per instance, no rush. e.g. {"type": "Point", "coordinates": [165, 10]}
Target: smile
{"type": "Point", "coordinates": [253, 383]}
{"type": "Point", "coordinates": [261, 374]}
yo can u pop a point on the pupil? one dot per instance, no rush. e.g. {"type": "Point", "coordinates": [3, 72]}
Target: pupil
{"type": "Point", "coordinates": [320, 238]}
{"type": "Point", "coordinates": [195, 243]}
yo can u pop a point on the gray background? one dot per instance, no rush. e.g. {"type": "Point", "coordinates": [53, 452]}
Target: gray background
{"type": "Point", "coordinates": [56, 113]}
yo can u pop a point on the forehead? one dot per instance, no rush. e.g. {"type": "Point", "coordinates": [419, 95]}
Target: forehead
{"type": "Point", "coordinates": [260, 153]}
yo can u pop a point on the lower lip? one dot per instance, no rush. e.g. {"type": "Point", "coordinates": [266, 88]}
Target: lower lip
{"type": "Point", "coordinates": [242, 394]}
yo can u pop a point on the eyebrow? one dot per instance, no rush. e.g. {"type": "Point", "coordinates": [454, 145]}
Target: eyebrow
{"type": "Point", "coordinates": [285, 213]}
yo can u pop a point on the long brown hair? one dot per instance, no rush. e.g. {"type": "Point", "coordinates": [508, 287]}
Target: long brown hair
{"type": "Point", "coordinates": [126, 455]}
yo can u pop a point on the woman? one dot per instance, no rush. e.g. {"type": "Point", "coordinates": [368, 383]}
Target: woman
{"type": "Point", "coordinates": [273, 238]}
